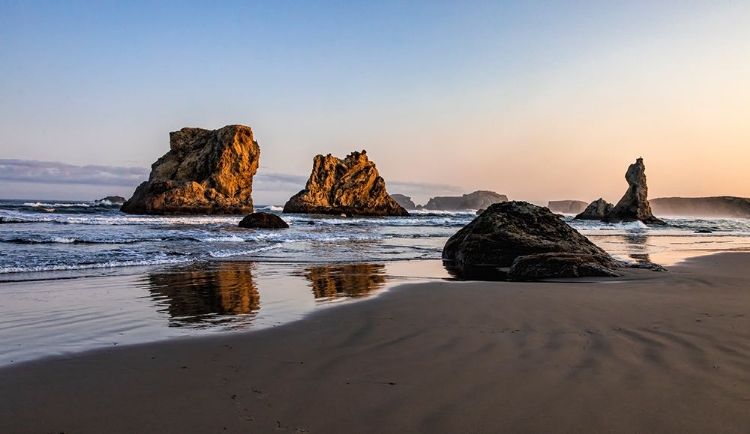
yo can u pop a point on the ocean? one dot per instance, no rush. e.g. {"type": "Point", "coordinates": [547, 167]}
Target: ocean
{"type": "Point", "coordinates": [82, 275]}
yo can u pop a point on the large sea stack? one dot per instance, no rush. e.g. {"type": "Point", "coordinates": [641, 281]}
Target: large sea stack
{"type": "Point", "coordinates": [204, 172]}
{"type": "Point", "coordinates": [522, 241]}
{"type": "Point", "coordinates": [634, 204]}
{"type": "Point", "coordinates": [351, 186]}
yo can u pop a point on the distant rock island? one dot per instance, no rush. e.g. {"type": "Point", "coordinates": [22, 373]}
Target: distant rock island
{"type": "Point", "coordinates": [720, 206]}
{"type": "Point", "coordinates": [404, 201]}
{"type": "Point", "coordinates": [567, 206]}
{"type": "Point", "coordinates": [351, 186]}
{"type": "Point", "coordinates": [114, 200]}
{"type": "Point", "coordinates": [476, 200]}
{"type": "Point", "coordinates": [204, 172]}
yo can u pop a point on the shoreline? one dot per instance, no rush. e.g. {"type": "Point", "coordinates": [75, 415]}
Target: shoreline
{"type": "Point", "coordinates": [652, 352]}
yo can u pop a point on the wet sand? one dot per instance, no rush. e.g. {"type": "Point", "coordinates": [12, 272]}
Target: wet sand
{"type": "Point", "coordinates": [651, 352]}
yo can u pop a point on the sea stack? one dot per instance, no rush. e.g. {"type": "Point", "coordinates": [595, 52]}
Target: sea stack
{"type": "Point", "coordinates": [204, 172]}
{"type": "Point", "coordinates": [351, 186]}
{"type": "Point", "coordinates": [596, 210]}
{"type": "Point", "coordinates": [634, 204]}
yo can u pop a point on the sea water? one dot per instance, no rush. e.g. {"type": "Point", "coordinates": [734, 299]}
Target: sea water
{"type": "Point", "coordinates": [83, 275]}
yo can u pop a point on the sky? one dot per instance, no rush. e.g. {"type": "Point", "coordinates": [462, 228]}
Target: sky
{"type": "Point", "coordinates": [538, 100]}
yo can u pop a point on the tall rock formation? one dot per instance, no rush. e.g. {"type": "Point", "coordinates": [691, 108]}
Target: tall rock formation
{"type": "Point", "coordinates": [634, 204]}
{"type": "Point", "coordinates": [596, 210]}
{"type": "Point", "coordinates": [204, 172]}
{"type": "Point", "coordinates": [350, 186]}
{"type": "Point", "coordinates": [477, 200]}
{"type": "Point", "coordinates": [521, 241]}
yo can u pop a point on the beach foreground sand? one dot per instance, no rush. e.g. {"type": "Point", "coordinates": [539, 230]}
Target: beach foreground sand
{"type": "Point", "coordinates": [649, 353]}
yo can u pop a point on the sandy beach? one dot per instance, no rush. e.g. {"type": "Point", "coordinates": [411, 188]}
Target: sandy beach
{"type": "Point", "coordinates": [650, 352]}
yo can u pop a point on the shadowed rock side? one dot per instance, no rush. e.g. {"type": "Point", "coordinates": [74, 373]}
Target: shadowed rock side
{"type": "Point", "coordinates": [476, 200]}
{"type": "Point", "coordinates": [350, 186]}
{"type": "Point", "coordinates": [263, 220]}
{"type": "Point", "coordinates": [404, 201]}
{"type": "Point", "coordinates": [597, 210]}
{"type": "Point", "coordinates": [350, 280]}
{"type": "Point", "coordinates": [204, 172]}
{"type": "Point", "coordinates": [512, 233]}
{"type": "Point", "coordinates": [197, 295]}
{"type": "Point", "coordinates": [721, 206]}
{"type": "Point", "coordinates": [634, 204]}
{"type": "Point", "coordinates": [567, 206]}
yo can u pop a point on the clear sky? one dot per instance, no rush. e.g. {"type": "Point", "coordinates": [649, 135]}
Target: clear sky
{"type": "Point", "coordinates": [538, 100]}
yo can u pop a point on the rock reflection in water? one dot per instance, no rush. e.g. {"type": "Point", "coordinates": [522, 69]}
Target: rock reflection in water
{"type": "Point", "coordinates": [202, 294]}
{"type": "Point", "coordinates": [637, 245]}
{"type": "Point", "coordinates": [345, 280]}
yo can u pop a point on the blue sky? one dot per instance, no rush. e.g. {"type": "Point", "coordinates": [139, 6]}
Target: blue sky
{"type": "Point", "coordinates": [507, 96]}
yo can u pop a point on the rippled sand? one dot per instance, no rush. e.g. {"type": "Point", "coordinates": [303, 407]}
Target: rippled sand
{"type": "Point", "coordinates": [651, 352]}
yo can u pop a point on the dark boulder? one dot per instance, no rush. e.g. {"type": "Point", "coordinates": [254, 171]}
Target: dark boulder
{"type": "Point", "coordinates": [553, 265]}
{"type": "Point", "coordinates": [263, 220]}
{"type": "Point", "coordinates": [567, 206]}
{"type": "Point", "coordinates": [506, 231]}
{"type": "Point", "coordinates": [597, 210]}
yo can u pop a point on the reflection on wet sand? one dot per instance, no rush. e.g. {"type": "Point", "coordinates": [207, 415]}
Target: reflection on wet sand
{"type": "Point", "coordinates": [637, 247]}
{"type": "Point", "coordinates": [200, 293]}
{"type": "Point", "coordinates": [347, 280]}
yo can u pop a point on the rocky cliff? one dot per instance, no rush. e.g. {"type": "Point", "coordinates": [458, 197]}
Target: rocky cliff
{"type": "Point", "coordinates": [476, 200]}
{"type": "Point", "coordinates": [567, 206]}
{"type": "Point", "coordinates": [404, 201]}
{"type": "Point", "coordinates": [721, 206]}
{"type": "Point", "coordinates": [634, 204]}
{"type": "Point", "coordinates": [351, 186]}
{"type": "Point", "coordinates": [204, 172]}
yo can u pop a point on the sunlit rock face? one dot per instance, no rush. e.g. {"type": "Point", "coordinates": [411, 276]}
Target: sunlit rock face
{"type": "Point", "coordinates": [351, 186]}
{"type": "Point", "coordinates": [204, 172]}
{"type": "Point", "coordinates": [634, 204]}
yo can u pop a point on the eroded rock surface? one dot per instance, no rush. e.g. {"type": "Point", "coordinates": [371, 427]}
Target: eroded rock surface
{"type": "Point", "coordinates": [263, 220]}
{"type": "Point", "coordinates": [519, 231]}
{"type": "Point", "coordinates": [634, 204]}
{"type": "Point", "coordinates": [351, 186]}
{"type": "Point", "coordinates": [204, 172]}
{"type": "Point", "coordinates": [596, 210]}
{"type": "Point", "coordinates": [476, 200]}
